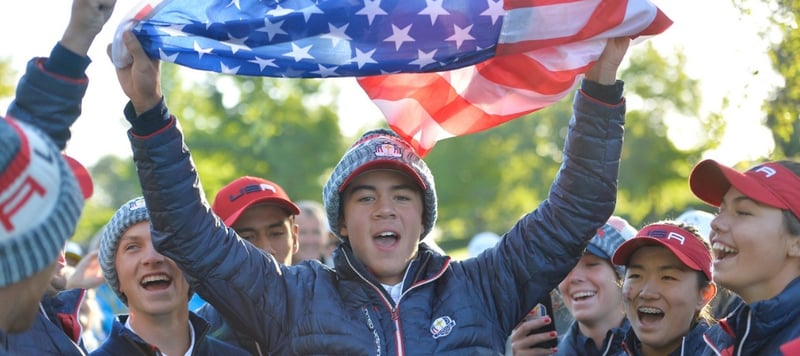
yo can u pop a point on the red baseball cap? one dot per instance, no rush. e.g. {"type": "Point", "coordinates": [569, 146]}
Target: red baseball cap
{"type": "Point", "coordinates": [768, 183]}
{"type": "Point", "coordinates": [81, 175]}
{"type": "Point", "coordinates": [234, 198]}
{"type": "Point", "coordinates": [685, 246]}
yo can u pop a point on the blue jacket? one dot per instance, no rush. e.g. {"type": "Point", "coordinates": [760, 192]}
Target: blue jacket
{"type": "Point", "coordinates": [48, 334]}
{"type": "Point", "coordinates": [122, 341]}
{"type": "Point", "coordinates": [447, 307]}
{"type": "Point", "coordinates": [221, 330]}
{"type": "Point", "coordinates": [575, 343]}
{"type": "Point", "coordinates": [49, 95]}
{"type": "Point", "coordinates": [767, 327]}
{"type": "Point", "coordinates": [692, 344]}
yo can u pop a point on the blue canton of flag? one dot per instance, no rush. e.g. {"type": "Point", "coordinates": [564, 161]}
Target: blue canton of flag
{"type": "Point", "coordinates": [313, 39]}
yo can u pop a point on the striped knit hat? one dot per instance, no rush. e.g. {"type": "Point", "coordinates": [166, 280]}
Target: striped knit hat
{"type": "Point", "coordinates": [609, 237]}
{"type": "Point", "coordinates": [129, 214]}
{"type": "Point", "coordinates": [40, 201]}
{"type": "Point", "coordinates": [379, 149]}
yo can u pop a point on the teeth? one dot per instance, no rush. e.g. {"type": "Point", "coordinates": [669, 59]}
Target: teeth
{"type": "Point", "coordinates": [649, 310]}
{"type": "Point", "coordinates": [722, 248]}
{"type": "Point", "coordinates": [155, 278]}
{"type": "Point", "coordinates": [386, 234]}
{"type": "Point", "coordinates": [583, 295]}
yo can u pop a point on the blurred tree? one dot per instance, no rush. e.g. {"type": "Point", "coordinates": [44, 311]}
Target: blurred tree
{"type": "Point", "coordinates": [783, 110]}
{"type": "Point", "coordinates": [486, 181]}
{"type": "Point", "coordinates": [283, 130]}
{"type": "Point", "coordinates": [7, 76]}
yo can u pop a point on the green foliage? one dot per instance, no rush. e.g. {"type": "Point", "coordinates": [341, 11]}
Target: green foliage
{"type": "Point", "coordinates": [286, 130]}
{"type": "Point", "coordinates": [7, 75]}
{"type": "Point", "coordinates": [783, 111]}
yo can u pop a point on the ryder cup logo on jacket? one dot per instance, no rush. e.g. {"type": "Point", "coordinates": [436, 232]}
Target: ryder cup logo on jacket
{"type": "Point", "coordinates": [442, 326]}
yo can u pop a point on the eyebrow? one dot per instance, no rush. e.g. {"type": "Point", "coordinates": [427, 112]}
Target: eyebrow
{"type": "Point", "coordinates": [679, 268]}
{"type": "Point", "coordinates": [395, 187]}
{"type": "Point", "coordinates": [270, 226]}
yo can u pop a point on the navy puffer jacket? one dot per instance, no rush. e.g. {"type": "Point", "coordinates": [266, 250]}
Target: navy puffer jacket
{"type": "Point", "coordinates": [447, 308]}
{"type": "Point", "coordinates": [767, 327]}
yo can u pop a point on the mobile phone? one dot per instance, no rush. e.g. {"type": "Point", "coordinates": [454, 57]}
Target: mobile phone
{"type": "Point", "coordinates": [544, 308]}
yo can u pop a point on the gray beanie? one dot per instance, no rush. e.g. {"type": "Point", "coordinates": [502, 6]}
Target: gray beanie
{"type": "Point", "coordinates": [613, 233]}
{"type": "Point", "coordinates": [378, 149]}
{"type": "Point", "coordinates": [40, 201]}
{"type": "Point", "coordinates": [129, 214]}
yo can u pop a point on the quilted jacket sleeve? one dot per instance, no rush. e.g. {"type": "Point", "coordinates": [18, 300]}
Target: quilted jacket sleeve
{"type": "Point", "coordinates": [242, 282]}
{"type": "Point", "coordinates": [544, 245]}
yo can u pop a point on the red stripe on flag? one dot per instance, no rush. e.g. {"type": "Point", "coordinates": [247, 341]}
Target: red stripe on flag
{"type": "Point", "coordinates": [603, 18]}
{"type": "Point", "coordinates": [659, 25]}
{"type": "Point", "coordinates": [450, 113]}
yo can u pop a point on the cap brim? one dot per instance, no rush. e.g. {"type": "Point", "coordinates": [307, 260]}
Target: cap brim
{"type": "Point", "coordinates": [384, 164]}
{"type": "Point", "coordinates": [290, 207]}
{"type": "Point", "coordinates": [710, 181]}
{"type": "Point", "coordinates": [623, 254]}
{"type": "Point", "coordinates": [82, 175]}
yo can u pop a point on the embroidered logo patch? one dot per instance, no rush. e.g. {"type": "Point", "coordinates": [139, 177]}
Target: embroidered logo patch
{"type": "Point", "coordinates": [442, 326]}
{"type": "Point", "coordinates": [388, 150]}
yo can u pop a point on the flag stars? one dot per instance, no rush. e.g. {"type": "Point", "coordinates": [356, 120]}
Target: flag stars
{"type": "Point", "coordinates": [173, 30]}
{"type": "Point", "coordinates": [263, 63]}
{"type": "Point", "coordinates": [299, 53]}
{"type": "Point", "coordinates": [363, 58]}
{"type": "Point", "coordinates": [272, 29]}
{"type": "Point", "coordinates": [460, 35]}
{"type": "Point", "coordinates": [371, 9]}
{"type": "Point", "coordinates": [280, 11]}
{"type": "Point", "coordinates": [310, 10]}
{"type": "Point", "coordinates": [434, 9]}
{"type": "Point", "coordinates": [235, 3]}
{"type": "Point", "coordinates": [495, 10]}
{"type": "Point", "coordinates": [201, 51]}
{"type": "Point", "coordinates": [424, 58]}
{"type": "Point", "coordinates": [336, 34]}
{"type": "Point", "coordinates": [399, 35]}
{"type": "Point", "coordinates": [324, 71]}
{"type": "Point", "coordinates": [164, 57]}
{"type": "Point", "coordinates": [228, 70]}
{"type": "Point", "coordinates": [236, 44]}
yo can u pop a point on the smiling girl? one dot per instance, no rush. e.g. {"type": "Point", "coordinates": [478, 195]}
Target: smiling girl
{"type": "Point", "coordinates": [666, 289]}
{"type": "Point", "coordinates": [756, 244]}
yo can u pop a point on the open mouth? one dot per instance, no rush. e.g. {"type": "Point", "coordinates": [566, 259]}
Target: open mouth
{"type": "Point", "coordinates": [721, 251]}
{"type": "Point", "coordinates": [581, 296]}
{"type": "Point", "coordinates": [649, 314]}
{"type": "Point", "coordinates": [155, 282]}
{"type": "Point", "coordinates": [386, 239]}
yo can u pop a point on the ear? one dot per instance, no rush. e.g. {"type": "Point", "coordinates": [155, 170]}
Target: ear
{"type": "Point", "coordinates": [794, 246]}
{"type": "Point", "coordinates": [295, 238]}
{"type": "Point", "coordinates": [707, 294]}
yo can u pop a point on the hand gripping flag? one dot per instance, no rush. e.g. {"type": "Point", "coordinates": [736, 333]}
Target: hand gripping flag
{"type": "Point", "coordinates": [435, 68]}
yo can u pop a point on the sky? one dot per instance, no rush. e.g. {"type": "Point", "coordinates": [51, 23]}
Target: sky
{"type": "Point", "coordinates": [724, 52]}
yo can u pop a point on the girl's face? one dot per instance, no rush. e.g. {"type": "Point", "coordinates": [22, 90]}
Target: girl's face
{"type": "Point", "coordinates": [662, 298]}
{"type": "Point", "coordinates": [744, 234]}
{"type": "Point", "coordinates": [591, 291]}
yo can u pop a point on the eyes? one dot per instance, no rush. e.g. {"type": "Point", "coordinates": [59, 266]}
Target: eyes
{"type": "Point", "coordinates": [366, 196]}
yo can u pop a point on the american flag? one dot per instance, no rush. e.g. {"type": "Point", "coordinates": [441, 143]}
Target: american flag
{"type": "Point", "coordinates": [435, 68]}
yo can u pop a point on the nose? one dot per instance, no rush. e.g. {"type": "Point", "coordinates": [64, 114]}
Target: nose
{"type": "Point", "coordinates": [152, 256]}
{"type": "Point", "coordinates": [649, 290]}
{"type": "Point", "coordinates": [384, 208]}
{"type": "Point", "coordinates": [717, 225]}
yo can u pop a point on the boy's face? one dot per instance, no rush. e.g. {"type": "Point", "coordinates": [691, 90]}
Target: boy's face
{"type": "Point", "coordinates": [269, 228]}
{"type": "Point", "coordinates": [26, 304]}
{"type": "Point", "coordinates": [153, 283]}
{"type": "Point", "coordinates": [382, 218]}
{"type": "Point", "coordinates": [311, 237]}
